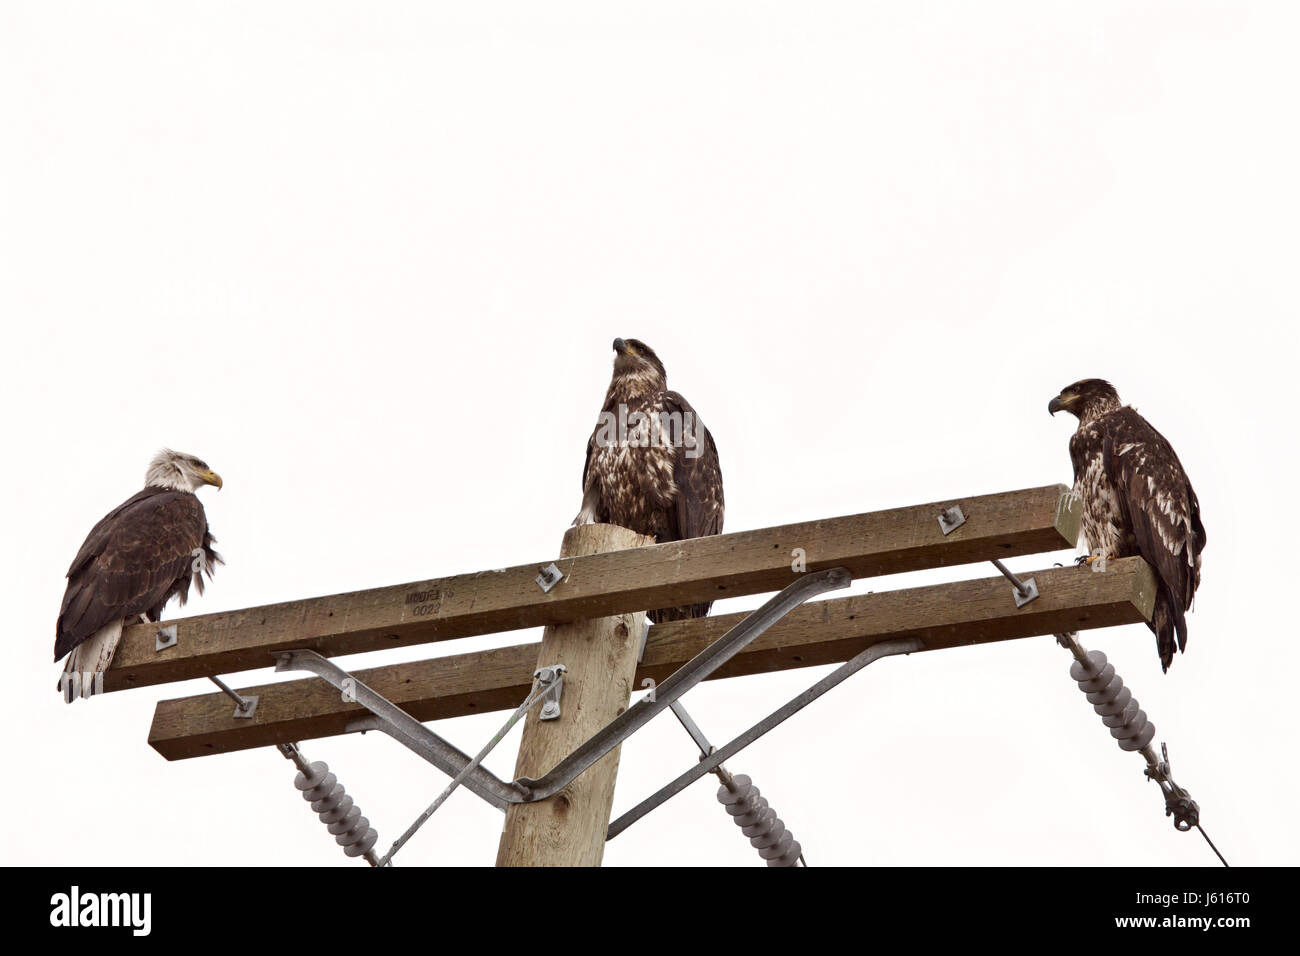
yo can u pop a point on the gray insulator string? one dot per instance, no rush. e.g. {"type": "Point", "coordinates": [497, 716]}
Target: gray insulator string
{"type": "Point", "coordinates": [1132, 730]}
{"type": "Point", "coordinates": [767, 834]}
{"type": "Point", "coordinates": [335, 808]}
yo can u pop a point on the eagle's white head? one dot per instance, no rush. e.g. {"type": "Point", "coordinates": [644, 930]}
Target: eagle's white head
{"type": "Point", "coordinates": [180, 472]}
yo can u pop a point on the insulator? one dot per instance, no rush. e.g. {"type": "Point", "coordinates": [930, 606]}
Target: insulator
{"type": "Point", "coordinates": [336, 809]}
{"type": "Point", "coordinates": [1113, 702]}
{"type": "Point", "coordinates": [758, 821]}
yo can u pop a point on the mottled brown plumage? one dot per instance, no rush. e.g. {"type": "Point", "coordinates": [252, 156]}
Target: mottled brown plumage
{"type": "Point", "coordinates": [1137, 500]}
{"type": "Point", "coordinates": [651, 464]}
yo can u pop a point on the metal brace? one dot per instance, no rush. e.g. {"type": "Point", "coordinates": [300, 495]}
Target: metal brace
{"type": "Point", "coordinates": [951, 519]}
{"type": "Point", "coordinates": [551, 699]}
{"type": "Point", "coordinates": [549, 578]}
{"type": "Point", "coordinates": [411, 733]}
{"type": "Point", "coordinates": [716, 755]}
{"type": "Point", "coordinates": [165, 637]}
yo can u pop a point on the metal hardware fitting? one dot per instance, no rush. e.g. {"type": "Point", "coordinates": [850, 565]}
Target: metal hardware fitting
{"type": "Point", "coordinates": [1178, 802]}
{"type": "Point", "coordinates": [550, 576]}
{"type": "Point", "coordinates": [165, 638]}
{"type": "Point", "coordinates": [244, 706]}
{"type": "Point", "coordinates": [554, 676]}
{"type": "Point", "coordinates": [408, 731]}
{"type": "Point", "coordinates": [1025, 591]}
{"type": "Point", "coordinates": [950, 519]}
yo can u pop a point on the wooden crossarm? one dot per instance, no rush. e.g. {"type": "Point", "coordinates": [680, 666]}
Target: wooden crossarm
{"type": "Point", "coordinates": [824, 632]}
{"type": "Point", "coordinates": [1030, 521]}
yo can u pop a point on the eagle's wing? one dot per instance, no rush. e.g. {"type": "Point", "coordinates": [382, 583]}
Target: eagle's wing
{"type": "Point", "coordinates": [1159, 505]}
{"type": "Point", "coordinates": [131, 561]}
{"type": "Point", "coordinates": [698, 507]}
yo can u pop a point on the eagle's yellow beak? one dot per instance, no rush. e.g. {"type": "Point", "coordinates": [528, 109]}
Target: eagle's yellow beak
{"type": "Point", "coordinates": [211, 477]}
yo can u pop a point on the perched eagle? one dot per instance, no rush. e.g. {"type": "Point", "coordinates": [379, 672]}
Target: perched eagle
{"type": "Point", "coordinates": [134, 560]}
{"type": "Point", "coordinates": [1137, 500]}
{"type": "Point", "coordinates": [651, 464]}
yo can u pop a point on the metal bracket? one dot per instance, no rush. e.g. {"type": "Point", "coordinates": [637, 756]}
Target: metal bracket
{"type": "Point", "coordinates": [683, 679]}
{"type": "Point", "coordinates": [165, 637]}
{"type": "Point", "coordinates": [551, 699]}
{"type": "Point", "coordinates": [402, 727]}
{"type": "Point", "coordinates": [951, 519]}
{"type": "Point", "coordinates": [550, 576]}
{"type": "Point", "coordinates": [411, 733]}
{"type": "Point", "coordinates": [248, 709]}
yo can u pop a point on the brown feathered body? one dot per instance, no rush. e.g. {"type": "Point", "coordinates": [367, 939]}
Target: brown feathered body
{"type": "Point", "coordinates": [1137, 501]}
{"type": "Point", "coordinates": [137, 558]}
{"type": "Point", "coordinates": [651, 464]}
{"type": "Point", "coordinates": [140, 555]}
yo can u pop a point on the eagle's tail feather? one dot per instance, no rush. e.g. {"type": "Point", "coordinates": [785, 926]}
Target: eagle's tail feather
{"type": "Point", "coordinates": [1169, 627]}
{"type": "Point", "coordinates": [87, 660]}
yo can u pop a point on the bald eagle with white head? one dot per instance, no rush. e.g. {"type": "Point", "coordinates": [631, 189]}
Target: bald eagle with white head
{"type": "Point", "coordinates": [1137, 501]}
{"type": "Point", "coordinates": [651, 464]}
{"type": "Point", "coordinates": [141, 554]}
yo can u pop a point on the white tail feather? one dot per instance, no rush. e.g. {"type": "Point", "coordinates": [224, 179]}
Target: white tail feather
{"type": "Point", "coordinates": [89, 658]}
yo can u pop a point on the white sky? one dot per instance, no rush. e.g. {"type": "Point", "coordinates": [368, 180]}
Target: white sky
{"type": "Point", "coordinates": [367, 261]}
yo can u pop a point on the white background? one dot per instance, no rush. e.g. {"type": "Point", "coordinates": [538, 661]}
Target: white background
{"type": "Point", "coordinates": [367, 261]}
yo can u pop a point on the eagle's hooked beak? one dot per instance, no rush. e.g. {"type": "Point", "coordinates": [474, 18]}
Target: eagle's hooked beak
{"type": "Point", "coordinates": [211, 477]}
{"type": "Point", "coordinates": [1056, 405]}
{"type": "Point", "coordinates": [620, 346]}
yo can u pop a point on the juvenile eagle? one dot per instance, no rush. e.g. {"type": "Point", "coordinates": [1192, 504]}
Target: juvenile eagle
{"type": "Point", "coordinates": [651, 464]}
{"type": "Point", "coordinates": [134, 560]}
{"type": "Point", "coordinates": [1137, 500]}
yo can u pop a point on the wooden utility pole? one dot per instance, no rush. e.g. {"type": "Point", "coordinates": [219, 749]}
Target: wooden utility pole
{"type": "Point", "coordinates": [601, 657]}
